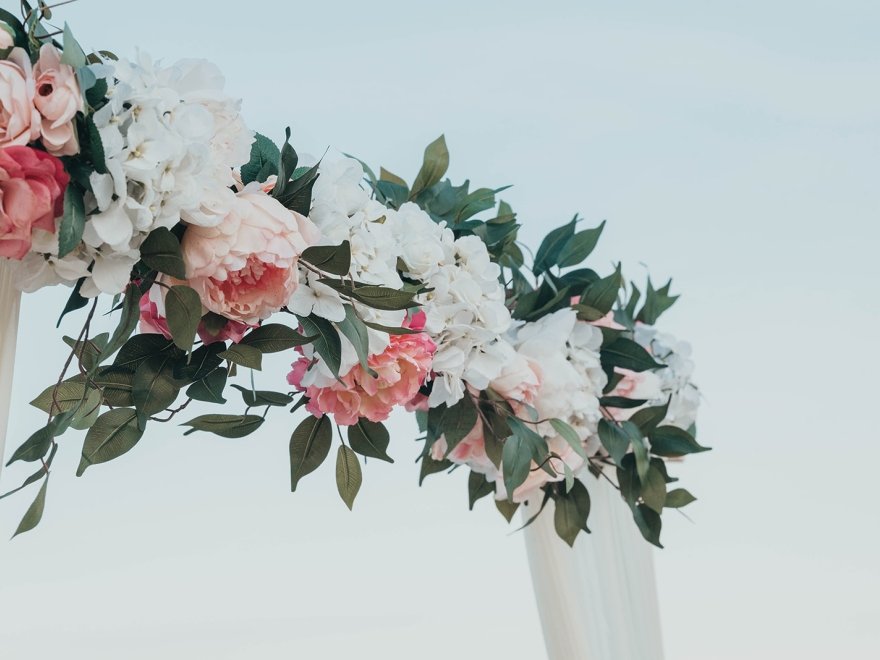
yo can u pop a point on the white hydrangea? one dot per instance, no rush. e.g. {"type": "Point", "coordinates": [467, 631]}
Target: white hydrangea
{"type": "Point", "coordinates": [566, 351]}
{"type": "Point", "coordinates": [675, 379]}
{"type": "Point", "coordinates": [171, 139]}
{"type": "Point", "coordinates": [465, 310]}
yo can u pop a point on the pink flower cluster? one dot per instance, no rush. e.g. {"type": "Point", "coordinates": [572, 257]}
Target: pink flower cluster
{"type": "Point", "coordinates": [153, 320]}
{"type": "Point", "coordinates": [400, 370]}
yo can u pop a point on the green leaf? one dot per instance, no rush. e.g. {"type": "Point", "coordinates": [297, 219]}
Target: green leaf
{"type": "Point", "coordinates": [226, 426]}
{"type": "Point", "coordinates": [647, 419]}
{"type": "Point", "coordinates": [34, 513]}
{"type": "Point", "coordinates": [153, 387]}
{"type": "Point", "coordinates": [203, 361]}
{"type": "Point", "coordinates": [649, 523]}
{"type": "Point", "coordinates": [552, 246]}
{"type": "Point", "coordinates": [370, 439]}
{"type": "Point", "coordinates": [430, 466]}
{"type": "Point", "coordinates": [73, 53]}
{"type": "Point", "coordinates": [115, 433]}
{"type": "Point", "coordinates": [656, 302]}
{"type": "Point", "coordinates": [391, 330]}
{"type": "Point", "coordinates": [356, 332]}
{"type": "Point", "coordinates": [675, 499]}
{"type": "Point", "coordinates": [274, 338]}
{"type": "Point", "coordinates": [348, 475]}
{"type": "Point", "coordinates": [95, 146]}
{"type": "Point", "coordinates": [621, 402]}
{"type": "Point", "coordinates": [569, 477]}
{"type": "Point", "coordinates": [35, 447]}
{"type": "Point", "coordinates": [183, 310]}
{"type": "Point", "coordinates": [643, 460]}
{"type": "Point", "coordinates": [617, 438]}
{"type": "Point", "coordinates": [327, 344]}
{"type": "Point", "coordinates": [384, 298]}
{"type": "Point", "coordinates": [570, 436]}
{"type": "Point", "coordinates": [287, 162]}
{"type": "Point", "coordinates": [264, 160]}
{"type": "Point", "coordinates": [161, 251]}
{"type": "Point", "coordinates": [567, 520]}
{"type": "Point", "coordinates": [654, 489]}
{"type": "Point", "coordinates": [627, 354]}
{"type": "Point", "coordinates": [434, 166]}
{"type": "Point", "coordinates": [259, 398]}
{"type": "Point", "coordinates": [74, 302]}
{"type": "Point", "coordinates": [140, 348]}
{"type": "Point", "coordinates": [458, 420]}
{"type": "Point", "coordinates": [580, 246]}
{"type": "Point", "coordinates": [334, 259]}
{"type": "Point", "coordinates": [116, 387]}
{"type": "Point", "coordinates": [602, 294]}
{"type": "Point", "coordinates": [309, 446]}
{"type": "Point", "coordinates": [68, 397]}
{"type": "Point", "coordinates": [127, 322]}
{"type": "Point", "coordinates": [73, 221]}
{"type": "Point", "coordinates": [245, 355]}
{"type": "Point", "coordinates": [478, 487]}
{"type": "Point", "coordinates": [516, 461]}
{"type": "Point", "coordinates": [506, 508]}
{"type": "Point", "coordinates": [672, 441]}
{"type": "Point", "coordinates": [210, 388]}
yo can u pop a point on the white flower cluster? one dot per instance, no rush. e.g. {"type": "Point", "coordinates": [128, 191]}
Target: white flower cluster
{"type": "Point", "coordinates": [171, 138]}
{"type": "Point", "coordinates": [465, 310]}
{"type": "Point", "coordinates": [675, 379]}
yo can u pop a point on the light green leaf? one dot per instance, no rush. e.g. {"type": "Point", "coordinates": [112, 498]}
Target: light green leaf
{"type": "Point", "coordinates": [675, 499]}
{"type": "Point", "coordinates": [115, 433]}
{"type": "Point", "coordinates": [434, 166]}
{"type": "Point", "coordinates": [348, 475]}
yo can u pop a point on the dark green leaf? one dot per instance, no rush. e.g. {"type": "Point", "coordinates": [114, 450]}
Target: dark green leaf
{"type": "Point", "coordinates": [226, 426]}
{"type": "Point", "coordinates": [154, 388]}
{"type": "Point", "coordinates": [245, 355]}
{"type": "Point", "coordinates": [620, 402]}
{"type": "Point", "coordinates": [516, 461]}
{"type": "Point", "coordinates": [478, 487]}
{"type": "Point", "coordinates": [309, 446]}
{"type": "Point", "coordinates": [35, 447]}
{"type": "Point", "coordinates": [259, 398]}
{"type": "Point", "coordinates": [141, 347]}
{"type": "Point", "coordinates": [572, 512]}
{"type": "Point", "coordinates": [203, 361]}
{"type": "Point", "coordinates": [458, 421]}
{"type": "Point", "coordinates": [161, 252]}
{"type": "Point", "coordinates": [334, 259]}
{"type": "Point", "coordinates": [356, 332]}
{"type": "Point", "coordinates": [627, 354]}
{"type": "Point", "coordinates": [552, 246]}
{"type": "Point", "coordinates": [127, 322]}
{"type": "Point", "coordinates": [183, 309]}
{"type": "Point", "coordinates": [34, 513]}
{"type": "Point", "coordinates": [675, 499]}
{"type": "Point", "coordinates": [274, 338]}
{"type": "Point", "coordinates": [348, 475]}
{"type": "Point", "coordinates": [430, 466]}
{"type": "Point", "coordinates": [434, 166]}
{"type": "Point", "coordinates": [264, 160]}
{"type": "Point", "coordinates": [327, 344]}
{"type": "Point", "coordinates": [647, 419]}
{"type": "Point", "coordinates": [384, 298]}
{"type": "Point", "coordinates": [506, 508]}
{"type": "Point", "coordinates": [115, 433]}
{"type": "Point", "coordinates": [210, 388]}
{"type": "Point", "coordinates": [73, 221]}
{"type": "Point", "coordinates": [116, 387]}
{"type": "Point", "coordinates": [74, 302]}
{"type": "Point", "coordinates": [602, 294]}
{"type": "Point", "coordinates": [580, 246]}
{"type": "Point", "coordinates": [654, 489]}
{"type": "Point", "coordinates": [649, 523]}
{"type": "Point", "coordinates": [370, 439]}
{"type": "Point", "coordinates": [672, 441]}
{"type": "Point", "coordinates": [617, 438]}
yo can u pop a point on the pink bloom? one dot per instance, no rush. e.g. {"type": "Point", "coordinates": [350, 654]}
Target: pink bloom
{"type": "Point", "coordinates": [57, 98]}
{"type": "Point", "coordinates": [32, 185]}
{"type": "Point", "coordinates": [153, 321]}
{"type": "Point", "coordinates": [608, 321]}
{"type": "Point", "coordinates": [245, 268]}
{"type": "Point", "coordinates": [400, 371]}
{"type": "Point", "coordinates": [19, 119]}
{"type": "Point", "coordinates": [519, 381]}
{"type": "Point", "coordinates": [639, 385]}
{"type": "Point", "coordinates": [470, 451]}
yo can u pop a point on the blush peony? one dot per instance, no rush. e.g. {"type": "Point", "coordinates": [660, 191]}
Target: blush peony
{"type": "Point", "coordinates": [19, 119]}
{"type": "Point", "coordinates": [32, 185]}
{"type": "Point", "coordinates": [245, 268]}
{"type": "Point", "coordinates": [58, 98]}
{"type": "Point", "coordinates": [400, 370]}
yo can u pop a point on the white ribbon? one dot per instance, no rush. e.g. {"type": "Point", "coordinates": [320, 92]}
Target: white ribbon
{"type": "Point", "coordinates": [597, 600]}
{"type": "Point", "coordinates": [10, 298]}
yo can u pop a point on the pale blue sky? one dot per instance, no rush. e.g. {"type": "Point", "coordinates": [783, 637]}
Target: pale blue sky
{"type": "Point", "coordinates": [734, 147]}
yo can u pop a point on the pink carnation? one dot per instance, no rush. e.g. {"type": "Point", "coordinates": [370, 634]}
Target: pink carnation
{"type": "Point", "coordinates": [400, 370]}
{"type": "Point", "coordinates": [245, 268]}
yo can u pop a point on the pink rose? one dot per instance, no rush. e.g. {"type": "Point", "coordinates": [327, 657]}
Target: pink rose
{"type": "Point", "coordinates": [58, 98]}
{"type": "Point", "coordinates": [519, 381]}
{"type": "Point", "coordinates": [245, 268]}
{"type": "Point", "coordinates": [19, 119]}
{"type": "Point", "coordinates": [470, 451]}
{"type": "Point", "coordinates": [32, 185]}
{"type": "Point", "coordinates": [400, 370]}
{"type": "Point", "coordinates": [153, 320]}
{"type": "Point", "coordinates": [639, 385]}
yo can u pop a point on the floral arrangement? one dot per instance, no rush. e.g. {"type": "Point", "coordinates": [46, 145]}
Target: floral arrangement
{"type": "Point", "coordinates": [139, 184]}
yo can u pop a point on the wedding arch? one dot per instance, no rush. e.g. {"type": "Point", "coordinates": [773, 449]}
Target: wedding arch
{"type": "Point", "coordinates": [139, 186]}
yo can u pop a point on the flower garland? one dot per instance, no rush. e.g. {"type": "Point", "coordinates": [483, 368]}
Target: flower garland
{"type": "Point", "coordinates": [140, 182]}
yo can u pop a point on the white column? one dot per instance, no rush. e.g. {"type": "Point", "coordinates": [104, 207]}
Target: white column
{"type": "Point", "coordinates": [10, 298]}
{"type": "Point", "coordinates": [597, 600]}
